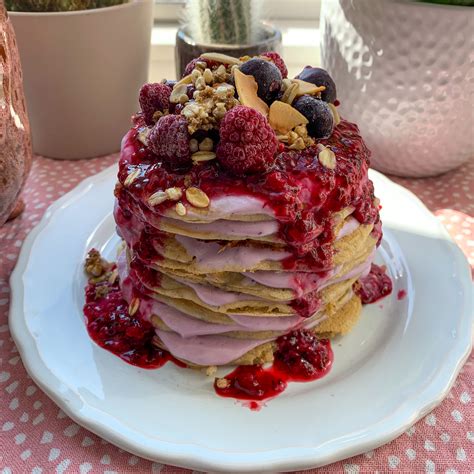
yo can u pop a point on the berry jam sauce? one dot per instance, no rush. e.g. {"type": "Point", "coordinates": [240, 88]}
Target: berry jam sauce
{"type": "Point", "coordinates": [302, 193]}
{"type": "Point", "coordinates": [300, 357]}
{"type": "Point", "coordinates": [401, 294]}
{"type": "Point", "coordinates": [374, 286]}
{"type": "Point", "coordinates": [110, 326]}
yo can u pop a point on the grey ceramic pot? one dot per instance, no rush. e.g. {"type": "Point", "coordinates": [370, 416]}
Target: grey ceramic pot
{"type": "Point", "coordinates": [187, 49]}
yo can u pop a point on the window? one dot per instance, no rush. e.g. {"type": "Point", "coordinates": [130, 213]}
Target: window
{"type": "Point", "coordinates": [168, 10]}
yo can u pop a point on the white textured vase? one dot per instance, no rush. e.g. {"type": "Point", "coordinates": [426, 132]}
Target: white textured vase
{"type": "Point", "coordinates": [404, 72]}
{"type": "Point", "coordinates": [82, 72]}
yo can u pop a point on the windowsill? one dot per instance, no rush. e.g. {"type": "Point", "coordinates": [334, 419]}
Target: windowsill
{"type": "Point", "coordinates": [300, 47]}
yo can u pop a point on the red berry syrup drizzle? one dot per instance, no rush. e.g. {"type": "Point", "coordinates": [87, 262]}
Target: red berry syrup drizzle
{"type": "Point", "coordinates": [300, 357]}
{"type": "Point", "coordinates": [374, 286]}
{"type": "Point", "coordinates": [111, 326]}
{"type": "Point", "coordinates": [303, 194]}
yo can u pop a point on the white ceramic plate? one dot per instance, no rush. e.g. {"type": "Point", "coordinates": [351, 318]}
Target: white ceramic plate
{"type": "Point", "coordinates": [395, 366]}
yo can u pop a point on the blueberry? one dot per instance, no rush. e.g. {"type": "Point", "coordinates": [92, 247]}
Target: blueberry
{"type": "Point", "coordinates": [319, 115]}
{"type": "Point", "coordinates": [320, 77]}
{"type": "Point", "coordinates": [267, 76]}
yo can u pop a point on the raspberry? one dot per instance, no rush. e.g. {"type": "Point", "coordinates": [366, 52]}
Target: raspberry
{"type": "Point", "coordinates": [169, 139]}
{"type": "Point", "coordinates": [192, 64]}
{"type": "Point", "coordinates": [154, 97]}
{"type": "Point", "coordinates": [247, 142]}
{"type": "Point", "coordinates": [277, 60]}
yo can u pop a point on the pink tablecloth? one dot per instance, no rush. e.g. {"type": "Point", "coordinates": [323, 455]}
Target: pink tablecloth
{"type": "Point", "coordinates": [36, 436]}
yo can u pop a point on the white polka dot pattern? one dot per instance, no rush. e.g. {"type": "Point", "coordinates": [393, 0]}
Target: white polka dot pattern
{"type": "Point", "coordinates": [37, 437]}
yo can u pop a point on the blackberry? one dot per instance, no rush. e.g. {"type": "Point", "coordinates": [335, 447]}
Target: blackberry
{"type": "Point", "coordinates": [320, 77]}
{"type": "Point", "coordinates": [267, 76]}
{"type": "Point", "coordinates": [319, 115]}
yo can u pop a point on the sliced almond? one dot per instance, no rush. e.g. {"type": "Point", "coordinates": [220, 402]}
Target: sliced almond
{"type": "Point", "coordinates": [222, 383]}
{"type": "Point", "coordinates": [180, 209]}
{"type": "Point", "coordinates": [133, 306]}
{"type": "Point", "coordinates": [113, 276]}
{"type": "Point", "coordinates": [177, 92]}
{"type": "Point", "coordinates": [196, 197]}
{"type": "Point", "coordinates": [206, 145]}
{"type": "Point", "coordinates": [185, 80]}
{"type": "Point", "coordinates": [335, 114]}
{"type": "Point", "coordinates": [283, 117]}
{"type": "Point", "coordinates": [132, 177]}
{"type": "Point", "coordinates": [290, 93]}
{"type": "Point", "coordinates": [143, 135]}
{"type": "Point", "coordinates": [307, 88]}
{"type": "Point", "coordinates": [157, 198]}
{"type": "Point", "coordinates": [247, 90]}
{"type": "Point", "coordinates": [200, 156]}
{"type": "Point", "coordinates": [174, 193]}
{"type": "Point", "coordinates": [221, 58]}
{"type": "Point", "coordinates": [327, 158]}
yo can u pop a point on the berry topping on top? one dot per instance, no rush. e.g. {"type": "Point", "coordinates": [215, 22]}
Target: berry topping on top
{"type": "Point", "coordinates": [240, 112]}
{"type": "Point", "coordinates": [267, 76]}
{"type": "Point", "coordinates": [247, 142]}
{"type": "Point", "coordinates": [319, 115]}
{"type": "Point", "coordinates": [169, 140]}
{"type": "Point", "coordinates": [154, 98]}
{"type": "Point", "coordinates": [277, 60]}
{"type": "Point", "coordinates": [320, 77]}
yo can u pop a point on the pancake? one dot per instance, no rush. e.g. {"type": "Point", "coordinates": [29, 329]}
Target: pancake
{"type": "Point", "coordinates": [228, 248]}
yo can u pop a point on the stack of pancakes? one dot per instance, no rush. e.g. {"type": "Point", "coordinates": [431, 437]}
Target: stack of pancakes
{"type": "Point", "coordinates": [216, 287]}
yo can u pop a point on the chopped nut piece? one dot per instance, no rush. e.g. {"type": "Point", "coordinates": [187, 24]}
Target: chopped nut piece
{"type": "Point", "coordinates": [177, 92]}
{"type": "Point", "coordinates": [95, 265]}
{"type": "Point", "coordinates": [206, 145]}
{"type": "Point", "coordinates": [200, 83]}
{"type": "Point", "coordinates": [220, 74]}
{"type": "Point", "coordinates": [183, 98]}
{"type": "Point", "coordinates": [133, 306]}
{"type": "Point", "coordinates": [211, 370]}
{"type": "Point", "coordinates": [174, 193]}
{"type": "Point", "coordinates": [196, 197]}
{"type": "Point", "coordinates": [335, 114]}
{"type": "Point", "coordinates": [327, 158]}
{"type": "Point", "coordinates": [221, 58]}
{"type": "Point", "coordinates": [298, 144]}
{"type": "Point", "coordinates": [207, 75]}
{"type": "Point", "coordinates": [195, 74]}
{"type": "Point", "coordinates": [157, 198]}
{"type": "Point", "coordinates": [201, 64]}
{"type": "Point", "coordinates": [158, 114]}
{"type": "Point", "coordinates": [200, 156]}
{"type": "Point", "coordinates": [222, 383]}
{"type": "Point", "coordinates": [180, 209]}
{"type": "Point", "coordinates": [193, 145]}
{"type": "Point", "coordinates": [132, 177]}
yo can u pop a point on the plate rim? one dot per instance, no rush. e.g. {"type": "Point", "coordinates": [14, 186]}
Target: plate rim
{"type": "Point", "coordinates": [207, 458]}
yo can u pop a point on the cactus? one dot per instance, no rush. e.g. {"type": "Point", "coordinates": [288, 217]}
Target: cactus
{"type": "Point", "coordinates": [223, 21]}
{"type": "Point", "coordinates": [58, 5]}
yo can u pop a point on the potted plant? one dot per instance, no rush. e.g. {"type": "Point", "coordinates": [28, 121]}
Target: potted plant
{"type": "Point", "coordinates": [404, 71]}
{"type": "Point", "coordinates": [232, 27]}
{"type": "Point", "coordinates": [83, 62]}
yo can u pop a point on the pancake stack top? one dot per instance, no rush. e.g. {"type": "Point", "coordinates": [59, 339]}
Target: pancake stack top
{"type": "Point", "coordinates": [245, 208]}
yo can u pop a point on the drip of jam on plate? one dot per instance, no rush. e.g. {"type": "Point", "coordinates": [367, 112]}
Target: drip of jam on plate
{"type": "Point", "coordinates": [111, 326]}
{"type": "Point", "coordinates": [300, 357]}
{"type": "Point", "coordinates": [374, 286]}
{"type": "Point", "coordinates": [401, 294]}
